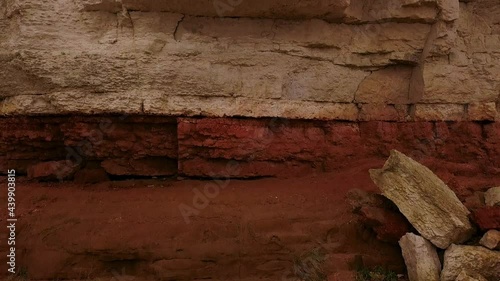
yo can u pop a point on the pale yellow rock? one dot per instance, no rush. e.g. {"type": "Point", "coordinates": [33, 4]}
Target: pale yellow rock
{"type": "Point", "coordinates": [220, 107]}
{"type": "Point", "coordinates": [482, 111]}
{"type": "Point", "coordinates": [491, 239]}
{"type": "Point", "coordinates": [424, 199]}
{"type": "Point", "coordinates": [492, 196]}
{"type": "Point", "coordinates": [383, 112]}
{"type": "Point", "coordinates": [378, 10]}
{"type": "Point", "coordinates": [449, 9]}
{"type": "Point", "coordinates": [389, 85]}
{"type": "Point", "coordinates": [439, 112]}
{"type": "Point", "coordinates": [421, 259]}
{"type": "Point", "coordinates": [466, 276]}
{"type": "Point", "coordinates": [71, 102]}
{"type": "Point", "coordinates": [476, 259]}
{"type": "Point", "coordinates": [328, 9]}
{"type": "Point", "coordinates": [446, 83]}
{"type": "Point", "coordinates": [293, 56]}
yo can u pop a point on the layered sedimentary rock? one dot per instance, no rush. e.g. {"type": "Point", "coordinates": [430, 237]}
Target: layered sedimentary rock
{"type": "Point", "coordinates": [323, 59]}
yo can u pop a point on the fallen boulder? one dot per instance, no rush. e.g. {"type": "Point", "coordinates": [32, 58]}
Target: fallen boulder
{"type": "Point", "coordinates": [473, 259]}
{"type": "Point", "coordinates": [420, 257]}
{"type": "Point", "coordinates": [424, 199]}
{"type": "Point", "coordinates": [491, 240]}
{"type": "Point", "coordinates": [492, 196]}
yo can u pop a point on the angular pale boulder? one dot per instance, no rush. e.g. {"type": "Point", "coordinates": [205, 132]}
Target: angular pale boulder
{"type": "Point", "coordinates": [472, 259]}
{"type": "Point", "coordinates": [424, 199]}
{"type": "Point", "coordinates": [466, 276]}
{"type": "Point", "coordinates": [492, 196]}
{"type": "Point", "coordinates": [491, 240]}
{"type": "Point", "coordinates": [420, 257]}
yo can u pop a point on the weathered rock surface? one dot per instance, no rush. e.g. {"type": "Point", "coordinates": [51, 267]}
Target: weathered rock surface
{"type": "Point", "coordinates": [492, 196]}
{"type": "Point", "coordinates": [425, 200]}
{"type": "Point", "coordinates": [491, 240]}
{"type": "Point", "coordinates": [473, 259]}
{"type": "Point", "coordinates": [320, 59]}
{"type": "Point", "coordinates": [466, 276]}
{"type": "Point", "coordinates": [420, 257]}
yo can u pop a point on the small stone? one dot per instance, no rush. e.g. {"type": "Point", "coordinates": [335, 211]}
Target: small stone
{"type": "Point", "coordinates": [491, 240]}
{"type": "Point", "coordinates": [475, 259]}
{"type": "Point", "coordinates": [52, 170]}
{"type": "Point", "coordinates": [420, 257]}
{"type": "Point", "coordinates": [492, 196]}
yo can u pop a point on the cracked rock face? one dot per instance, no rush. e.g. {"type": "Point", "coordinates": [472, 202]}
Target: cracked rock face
{"type": "Point", "coordinates": [424, 199]}
{"type": "Point", "coordinates": [315, 59]}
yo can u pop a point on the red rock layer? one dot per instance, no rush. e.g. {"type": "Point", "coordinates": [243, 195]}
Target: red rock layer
{"type": "Point", "coordinates": [219, 147]}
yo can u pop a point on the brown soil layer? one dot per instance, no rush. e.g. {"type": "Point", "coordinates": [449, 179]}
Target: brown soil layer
{"type": "Point", "coordinates": [248, 230]}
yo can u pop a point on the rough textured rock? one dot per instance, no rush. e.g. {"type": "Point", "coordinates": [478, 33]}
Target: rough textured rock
{"type": "Point", "coordinates": [320, 59]}
{"type": "Point", "coordinates": [420, 257]}
{"type": "Point", "coordinates": [474, 259]}
{"type": "Point", "coordinates": [261, 147]}
{"type": "Point", "coordinates": [466, 276]}
{"type": "Point", "coordinates": [492, 196]}
{"type": "Point", "coordinates": [491, 240]}
{"type": "Point", "coordinates": [425, 200]}
{"type": "Point", "coordinates": [487, 217]}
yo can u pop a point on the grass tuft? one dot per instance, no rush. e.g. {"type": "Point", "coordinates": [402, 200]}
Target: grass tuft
{"type": "Point", "coordinates": [309, 266]}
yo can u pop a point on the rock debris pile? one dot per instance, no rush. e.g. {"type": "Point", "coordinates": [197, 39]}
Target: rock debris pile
{"type": "Point", "coordinates": [467, 240]}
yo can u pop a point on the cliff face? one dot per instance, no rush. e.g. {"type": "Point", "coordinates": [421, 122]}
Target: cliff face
{"type": "Point", "coordinates": [430, 60]}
